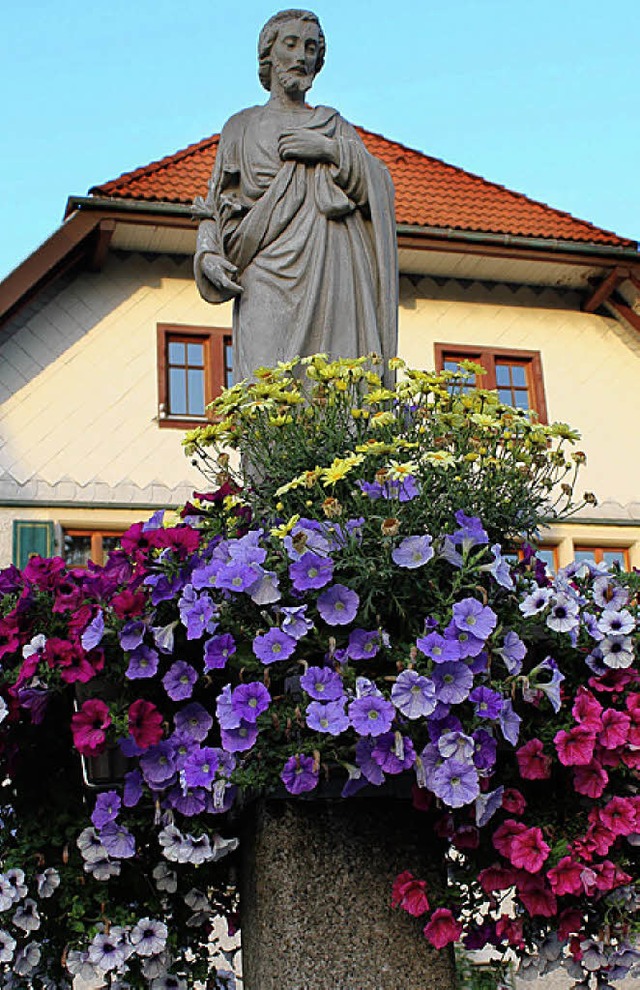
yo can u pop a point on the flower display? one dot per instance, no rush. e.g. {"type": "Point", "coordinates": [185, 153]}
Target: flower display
{"type": "Point", "coordinates": [352, 610]}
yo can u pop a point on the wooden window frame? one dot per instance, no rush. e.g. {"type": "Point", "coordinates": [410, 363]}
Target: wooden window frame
{"type": "Point", "coordinates": [97, 535]}
{"type": "Point", "coordinates": [600, 549]}
{"type": "Point", "coordinates": [488, 357]}
{"type": "Point", "coordinates": [214, 340]}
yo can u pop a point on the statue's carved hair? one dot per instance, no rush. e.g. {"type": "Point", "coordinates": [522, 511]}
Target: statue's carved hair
{"type": "Point", "coordinates": [269, 34]}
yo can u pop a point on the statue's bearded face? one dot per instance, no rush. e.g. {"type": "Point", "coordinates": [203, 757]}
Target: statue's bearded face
{"type": "Point", "coordinates": [294, 55]}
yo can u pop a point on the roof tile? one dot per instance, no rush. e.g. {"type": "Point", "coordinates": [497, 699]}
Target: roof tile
{"type": "Point", "coordinates": [429, 193]}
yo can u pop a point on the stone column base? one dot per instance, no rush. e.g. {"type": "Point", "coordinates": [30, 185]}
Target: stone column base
{"type": "Point", "coordinates": [315, 897]}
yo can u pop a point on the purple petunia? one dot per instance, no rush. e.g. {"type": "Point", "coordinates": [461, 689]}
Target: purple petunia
{"type": "Point", "coordinates": [510, 722]}
{"type": "Point", "coordinates": [455, 783]}
{"type": "Point", "coordinates": [338, 605]}
{"type": "Point", "coordinates": [299, 774]}
{"type": "Point", "coordinates": [179, 680]}
{"type": "Point", "coordinates": [239, 738]}
{"type": "Point", "coordinates": [118, 841]}
{"type": "Point", "coordinates": [513, 652]}
{"type": "Point", "coordinates": [393, 752]}
{"type": "Point", "coordinates": [106, 808]}
{"type": "Point", "coordinates": [201, 766]}
{"type": "Point", "coordinates": [487, 703]}
{"type": "Point", "coordinates": [413, 694]}
{"type": "Point", "coordinates": [468, 644]}
{"type": "Point", "coordinates": [311, 571]}
{"type": "Point", "coordinates": [485, 749]}
{"type": "Point", "coordinates": [195, 720]}
{"type": "Point", "coordinates": [143, 662]}
{"type": "Point", "coordinates": [295, 622]}
{"type": "Point", "coordinates": [371, 715]}
{"type": "Point", "coordinates": [250, 700]}
{"type": "Point", "coordinates": [322, 684]}
{"type": "Point", "coordinates": [362, 644]}
{"type": "Point", "coordinates": [472, 617]}
{"type": "Point", "coordinates": [94, 632]}
{"type": "Point", "coordinates": [471, 532]}
{"type": "Point", "coordinates": [453, 682]}
{"type": "Point", "coordinates": [217, 651]}
{"type": "Point", "coordinates": [273, 645]}
{"type": "Point", "coordinates": [132, 634]}
{"type": "Point", "coordinates": [330, 718]}
{"type": "Point", "coordinates": [413, 552]}
{"type": "Point", "coordinates": [196, 612]}
{"type": "Point", "coordinates": [439, 648]}
{"type": "Point", "coordinates": [158, 764]}
{"type": "Point", "coordinates": [238, 576]}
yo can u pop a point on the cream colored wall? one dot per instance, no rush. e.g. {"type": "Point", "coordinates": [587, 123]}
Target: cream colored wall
{"type": "Point", "coordinates": [79, 403]}
{"type": "Point", "coordinates": [591, 368]}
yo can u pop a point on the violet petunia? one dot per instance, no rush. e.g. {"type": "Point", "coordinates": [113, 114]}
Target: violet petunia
{"type": "Point", "coordinates": [338, 605]}
{"type": "Point", "coordinates": [414, 695]}
{"type": "Point", "coordinates": [217, 651]}
{"type": "Point", "coordinates": [453, 682]}
{"type": "Point", "coordinates": [179, 680]}
{"type": "Point", "coordinates": [299, 774]}
{"type": "Point", "coordinates": [322, 684]}
{"type": "Point", "coordinates": [413, 552]}
{"type": "Point", "coordinates": [455, 783]}
{"type": "Point", "coordinates": [273, 645]}
{"type": "Point", "coordinates": [371, 715]}
{"type": "Point", "coordinates": [330, 718]}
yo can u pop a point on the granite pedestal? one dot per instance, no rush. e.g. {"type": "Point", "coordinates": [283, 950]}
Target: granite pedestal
{"type": "Point", "coordinates": [316, 889]}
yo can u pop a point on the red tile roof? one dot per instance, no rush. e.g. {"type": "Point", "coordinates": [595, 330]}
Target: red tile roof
{"type": "Point", "coordinates": [429, 193]}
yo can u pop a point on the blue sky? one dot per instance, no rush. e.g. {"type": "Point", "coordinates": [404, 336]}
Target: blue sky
{"type": "Point", "coordinates": [539, 95]}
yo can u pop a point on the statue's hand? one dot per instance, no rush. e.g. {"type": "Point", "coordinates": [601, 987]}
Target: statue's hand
{"type": "Point", "coordinates": [219, 271]}
{"type": "Point", "coordinates": [306, 145]}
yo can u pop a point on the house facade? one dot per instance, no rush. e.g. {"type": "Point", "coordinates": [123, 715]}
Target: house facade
{"type": "Point", "coordinates": [108, 353]}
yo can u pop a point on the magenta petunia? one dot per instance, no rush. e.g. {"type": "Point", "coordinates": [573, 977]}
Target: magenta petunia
{"type": "Point", "coordinates": [89, 727]}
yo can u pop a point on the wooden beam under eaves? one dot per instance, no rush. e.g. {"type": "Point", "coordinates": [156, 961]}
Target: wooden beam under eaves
{"type": "Point", "coordinates": [603, 290]}
{"type": "Point", "coordinates": [103, 236]}
{"type": "Point", "coordinates": [622, 311]}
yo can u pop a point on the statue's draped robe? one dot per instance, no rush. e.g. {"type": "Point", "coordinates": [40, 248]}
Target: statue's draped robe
{"type": "Point", "coordinates": [314, 245]}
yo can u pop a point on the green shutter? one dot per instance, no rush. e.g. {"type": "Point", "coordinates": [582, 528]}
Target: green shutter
{"type": "Point", "coordinates": [31, 538]}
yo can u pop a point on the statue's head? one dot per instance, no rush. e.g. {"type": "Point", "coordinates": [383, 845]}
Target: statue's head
{"type": "Point", "coordinates": [292, 44]}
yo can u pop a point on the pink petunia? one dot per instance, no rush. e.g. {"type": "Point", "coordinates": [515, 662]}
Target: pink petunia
{"type": "Point", "coordinates": [410, 894]}
{"type": "Point", "coordinates": [615, 729]}
{"type": "Point", "coordinates": [145, 723]}
{"type": "Point", "coordinates": [513, 801]}
{"type": "Point", "coordinates": [569, 923]}
{"type": "Point", "coordinates": [442, 928]}
{"type": "Point", "coordinates": [587, 709]}
{"type": "Point", "coordinates": [496, 878]}
{"type": "Point", "coordinates": [504, 835]}
{"type": "Point", "coordinates": [533, 763]}
{"type": "Point", "coordinates": [575, 747]}
{"type": "Point", "coordinates": [529, 850]}
{"type": "Point", "coordinates": [537, 898]}
{"type": "Point", "coordinates": [608, 876]}
{"type": "Point", "coordinates": [619, 816]}
{"type": "Point", "coordinates": [566, 877]}
{"type": "Point", "coordinates": [89, 727]}
{"type": "Point", "coordinates": [590, 780]}
{"type": "Point", "coordinates": [510, 930]}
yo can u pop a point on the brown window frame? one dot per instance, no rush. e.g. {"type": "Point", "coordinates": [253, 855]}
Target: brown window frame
{"type": "Point", "coordinates": [97, 535]}
{"type": "Point", "coordinates": [214, 340]}
{"type": "Point", "coordinates": [488, 357]}
{"type": "Point", "coordinates": [600, 550]}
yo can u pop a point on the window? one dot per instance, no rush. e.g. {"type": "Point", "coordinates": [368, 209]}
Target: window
{"type": "Point", "coordinates": [604, 555]}
{"type": "Point", "coordinates": [194, 365]}
{"type": "Point", "coordinates": [79, 546]}
{"type": "Point", "coordinates": [549, 554]}
{"type": "Point", "coordinates": [516, 375]}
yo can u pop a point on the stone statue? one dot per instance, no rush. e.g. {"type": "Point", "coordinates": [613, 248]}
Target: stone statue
{"type": "Point", "coordinates": [298, 226]}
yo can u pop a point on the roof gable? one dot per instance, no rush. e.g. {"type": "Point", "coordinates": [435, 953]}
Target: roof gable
{"type": "Point", "coordinates": [429, 193]}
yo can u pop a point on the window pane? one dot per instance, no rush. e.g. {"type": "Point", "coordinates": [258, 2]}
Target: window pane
{"type": "Point", "coordinates": [610, 557]}
{"type": "Point", "coordinates": [195, 355]}
{"type": "Point", "coordinates": [581, 555]}
{"type": "Point", "coordinates": [505, 395]}
{"type": "Point", "coordinates": [502, 374]}
{"type": "Point", "coordinates": [77, 550]}
{"type": "Point", "coordinates": [547, 554]}
{"type": "Point", "coordinates": [518, 376]}
{"type": "Point", "coordinates": [196, 392]}
{"type": "Point", "coordinates": [228, 364]}
{"type": "Point", "coordinates": [521, 400]}
{"type": "Point", "coordinates": [177, 391]}
{"type": "Point", "coordinates": [176, 352]}
{"type": "Point", "coordinates": [109, 543]}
